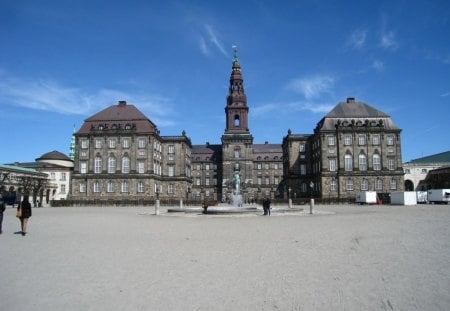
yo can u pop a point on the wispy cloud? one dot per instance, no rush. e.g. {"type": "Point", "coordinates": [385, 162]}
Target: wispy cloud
{"type": "Point", "coordinates": [313, 86]}
{"type": "Point", "coordinates": [445, 94]}
{"type": "Point", "coordinates": [289, 107]}
{"type": "Point", "coordinates": [47, 95]}
{"type": "Point", "coordinates": [210, 37]}
{"type": "Point", "coordinates": [203, 46]}
{"type": "Point", "coordinates": [357, 39]}
{"type": "Point", "coordinates": [388, 40]}
{"type": "Point", "coordinates": [378, 65]}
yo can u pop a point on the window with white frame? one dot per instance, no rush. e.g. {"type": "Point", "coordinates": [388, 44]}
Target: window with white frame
{"type": "Point", "coordinates": [390, 140]}
{"type": "Point", "coordinates": [63, 176]}
{"type": "Point", "coordinates": [197, 181]}
{"type": "Point", "coordinates": [140, 187]}
{"type": "Point", "coordinates": [171, 152]}
{"type": "Point", "coordinates": [391, 164]}
{"type": "Point", "coordinates": [267, 180]}
{"type": "Point", "coordinates": [52, 176]}
{"type": "Point", "coordinates": [332, 164]}
{"type": "Point", "coordinates": [276, 180]}
{"type": "Point", "coordinates": [302, 169]}
{"type": "Point", "coordinates": [96, 187]}
{"type": "Point", "coordinates": [98, 143]}
{"type": "Point", "coordinates": [275, 166]}
{"type": "Point", "coordinates": [331, 140]}
{"type": "Point", "coordinates": [170, 188]}
{"type": "Point", "coordinates": [141, 167]}
{"type": "Point", "coordinates": [362, 140]}
{"type": "Point", "coordinates": [393, 184]}
{"type": "Point", "coordinates": [364, 184]}
{"type": "Point", "coordinates": [302, 147]}
{"type": "Point", "coordinates": [362, 162]}
{"type": "Point", "coordinates": [125, 165]}
{"type": "Point", "coordinates": [110, 186]}
{"type": "Point", "coordinates": [237, 152]}
{"type": "Point", "coordinates": [125, 143]}
{"type": "Point", "coordinates": [206, 167]}
{"type": "Point", "coordinates": [124, 187]}
{"type": "Point", "coordinates": [375, 139]}
{"type": "Point", "coordinates": [348, 162]}
{"type": "Point", "coordinates": [84, 144]}
{"type": "Point", "coordinates": [376, 162]}
{"type": "Point", "coordinates": [170, 170]}
{"type": "Point", "coordinates": [111, 165]}
{"type": "Point", "coordinates": [378, 184]}
{"type": "Point", "coordinates": [83, 187]}
{"type": "Point", "coordinates": [97, 165]}
{"type": "Point", "coordinates": [259, 180]}
{"type": "Point", "coordinates": [259, 166]}
{"type": "Point", "coordinates": [63, 189]}
{"type": "Point", "coordinates": [347, 139]}
{"type": "Point", "coordinates": [266, 166]}
{"type": "Point", "coordinates": [112, 143]}
{"type": "Point", "coordinates": [333, 185]}
{"type": "Point", "coordinates": [83, 167]}
{"type": "Point", "coordinates": [349, 184]}
{"type": "Point", "coordinates": [141, 143]}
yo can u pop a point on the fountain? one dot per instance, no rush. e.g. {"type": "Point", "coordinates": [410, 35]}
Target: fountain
{"type": "Point", "coordinates": [236, 197]}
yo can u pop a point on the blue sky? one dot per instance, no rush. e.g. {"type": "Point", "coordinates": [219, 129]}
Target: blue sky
{"type": "Point", "coordinates": [62, 61]}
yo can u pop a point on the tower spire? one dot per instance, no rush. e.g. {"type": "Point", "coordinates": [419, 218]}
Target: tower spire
{"type": "Point", "coordinates": [235, 58]}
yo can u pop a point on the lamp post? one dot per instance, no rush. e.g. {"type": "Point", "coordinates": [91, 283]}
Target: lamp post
{"type": "Point", "coordinates": [157, 200]}
{"type": "Point", "coordinates": [311, 202]}
{"type": "Point", "coordinates": [86, 186]}
{"type": "Point", "coordinates": [289, 197]}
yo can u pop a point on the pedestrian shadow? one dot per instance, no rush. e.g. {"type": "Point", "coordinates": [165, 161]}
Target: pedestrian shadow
{"type": "Point", "coordinates": [18, 232]}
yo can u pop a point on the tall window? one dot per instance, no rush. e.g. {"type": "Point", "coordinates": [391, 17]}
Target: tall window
{"type": "Point", "coordinates": [141, 143]}
{"type": "Point", "coordinates": [393, 184]}
{"type": "Point", "coordinates": [63, 176]}
{"type": "Point", "coordinates": [112, 143]}
{"type": "Point", "coordinates": [302, 169]}
{"type": "Point", "coordinates": [391, 164]}
{"type": "Point", "coordinates": [125, 165]}
{"type": "Point", "coordinates": [348, 162]}
{"type": "Point", "coordinates": [84, 144]}
{"type": "Point", "coordinates": [83, 167]}
{"type": "Point", "coordinates": [170, 169]}
{"type": "Point", "coordinates": [331, 140]}
{"type": "Point", "coordinates": [302, 147]}
{"type": "Point", "coordinates": [349, 184]}
{"type": "Point", "coordinates": [236, 153]}
{"type": "Point", "coordinates": [332, 164]}
{"type": "Point", "coordinates": [267, 180]}
{"type": "Point", "coordinates": [111, 165]}
{"type": "Point", "coordinates": [82, 187]}
{"type": "Point", "coordinates": [98, 143]}
{"type": "Point", "coordinates": [124, 186]}
{"type": "Point", "coordinates": [376, 162]}
{"type": "Point", "coordinates": [361, 140]}
{"type": "Point", "coordinates": [171, 152]}
{"type": "Point", "coordinates": [378, 184]}
{"type": "Point", "coordinates": [170, 188]}
{"type": "Point", "coordinates": [362, 162]}
{"type": "Point", "coordinates": [259, 180]}
{"type": "Point", "coordinates": [141, 167]}
{"type": "Point", "coordinates": [63, 189]}
{"type": "Point", "coordinates": [110, 186]}
{"type": "Point", "coordinates": [140, 187]}
{"type": "Point", "coordinates": [207, 181]}
{"type": "Point", "coordinates": [96, 187]}
{"type": "Point", "coordinates": [375, 139]}
{"type": "Point", "coordinates": [364, 184]}
{"type": "Point", "coordinates": [390, 140]}
{"type": "Point", "coordinates": [126, 143]}
{"type": "Point", "coordinates": [98, 165]}
{"type": "Point", "coordinates": [347, 139]}
{"type": "Point", "coordinates": [333, 185]}
{"type": "Point", "coordinates": [52, 176]}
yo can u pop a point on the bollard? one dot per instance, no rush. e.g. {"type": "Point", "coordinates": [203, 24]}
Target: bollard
{"type": "Point", "coordinates": [290, 203]}
{"type": "Point", "coordinates": [181, 203]}
{"type": "Point", "coordinates": [157, 207]}
{"type": "Point", "coordinates": [311, 205]}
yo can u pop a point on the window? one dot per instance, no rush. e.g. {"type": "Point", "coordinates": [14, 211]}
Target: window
{"type": "Point", "coordinates": [276, 180]}
{"type": "Point", "coordinates": [349, 184]}
{"type": "Point", "coordinates": [110, 187]}
{"type": "Point", "coordinates": [207, 193]}
{"type": "Point", "coordinates": [364, 184]}
{"type": "Point", "coordinates": [206, 181]}
{"type": "Point", "coordinates": [63, 189]}
{"type": "Point", "coordinates": [197, 181]}
{"type": "Point", "coordinates": [63, 176]}
{"type": "Point", "coordinates": [275, 166]}
{"type": "Point", "coordinates": [266, 166]}
{"type": "Point", "coordinates": [393, 184]}
{"type": "Point", "coordinates": [347, 140]}
{"type": "Point", "coordinates": [124, 186]}
{"type": "Point", "coordinates": [126, 143]}
{"type": "Point", "coordinates": [171, 152]}
{"type": "Point", "coordinates": [348, 162]}
{"type": "Point", "coordinates": [112, 143]}
{"type": "Point", "coordinates": [140, 187]}
{"type": "Point", "coordinates": [98, 165]}
{"type": "Point", "coordinates": [332, 164]}
{"type": "Point", "coordinates": [259, 181]}
{"type": "Point", "coordinates": [170, 170]}
{"type": "Point", "coordinates": [259, 166]}
{"type": "Point", "coordinates": [378, 184]}
{"type": "Point", "coordinates": [82, 187]}
{"type": "Point", "coordinates": [141, 143]}
{"type": "Point", "coordinates": [236, 153]}
{"type": "Point", "coordinates": [267, 181]}
{"type": "Point", "coordinates": [390, 140]}
{"type": "Point", "coordinates": [96, 187]}
{"type": "Point", "coordinates": [125, 165]}
{"type": "Point", "coordinates": [424, 171]}
{"type": "Point", "coordinates": [98, 143]}
{"type": "Point", "coordinates": [391, 164]}
{"type": "Point", "coordinates": [111, 165]}
{"type": "Point", "coordinates": [302, 147]}
{"type": "Point", "coordinates": [170, 188]}
{"type": "Point", "coordinates": [361, 140]}
{"type": "Point", "coordinates": [302, 169]}
{"type": "Point", "coordinates": [52, 176]}
{"type": "Point", "coordinates": [207, 167]}
{"type": "Point", "coordinates": [407, 171]}
{"type": "Point", "coordinates": [331, 140]}
{"type": "Point", "coordinates": [83, 167]}
{"type": "Point", "coordinates": [362, 162]}
{"type": "Point", "coordinates": [303, 187]}
{"type": "Point", "coordinates": [376, 140]}
{"type": "Point", "coordinates": [84, 144]}
{"type": "Point", "coordinates": [376, 162]}
{"type": "Point", "coordinates": [141, 167]}
{"type": "Point", "coordinates": [333, 185]}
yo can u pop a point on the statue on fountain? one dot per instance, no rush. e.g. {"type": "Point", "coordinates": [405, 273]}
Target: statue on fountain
{"type": "Point", "coordinates": [236, 182]}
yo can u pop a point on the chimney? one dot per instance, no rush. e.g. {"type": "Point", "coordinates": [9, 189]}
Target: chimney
{"type": "Point", "coordinates": [122, 103]}
{"type": "Point", "coordinates": [350, 99]}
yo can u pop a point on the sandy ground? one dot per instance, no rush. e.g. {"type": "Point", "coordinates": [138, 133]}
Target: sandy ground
{"type": "Point", "coordinates": [342, 258]}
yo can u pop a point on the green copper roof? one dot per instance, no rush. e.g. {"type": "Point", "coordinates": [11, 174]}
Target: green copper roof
{"type": "Point", "coordinates": [443, 157]}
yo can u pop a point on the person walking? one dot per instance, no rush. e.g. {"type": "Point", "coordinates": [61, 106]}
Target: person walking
{"type": "Point", "coordinates": [266, 206]}
{"type": "Point", "coordinates": [2, 209]}
{"type": "Point", "coordinates": [25, 213]}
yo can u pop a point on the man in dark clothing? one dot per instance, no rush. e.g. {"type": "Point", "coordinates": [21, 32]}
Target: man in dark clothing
{"type": "Point", "coordinates": [2, 209]}
{"type": "Point", "coordinates": [266, 206]}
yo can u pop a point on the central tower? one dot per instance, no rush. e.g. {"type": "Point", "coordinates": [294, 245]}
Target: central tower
{"type": "Point", "coordinates": [237, 142]}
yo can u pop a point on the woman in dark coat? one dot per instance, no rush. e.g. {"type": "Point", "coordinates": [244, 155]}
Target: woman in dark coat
{"type": "Point", "coordinates": [26, 213]}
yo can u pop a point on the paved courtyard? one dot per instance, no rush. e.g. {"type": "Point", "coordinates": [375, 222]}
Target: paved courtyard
{"type": "Point", "coordinates": [119, 258]}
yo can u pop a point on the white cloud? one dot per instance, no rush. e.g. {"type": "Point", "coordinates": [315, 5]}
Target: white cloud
{"type": "Point", "coordinates": [312, 87]}
{"type": "Point", "coordinates": [315, 108]}
{"type": "Point", "coordinates": [203, 47]}
{"type": "Point", "coordinates": [264, 109]}
{"type": "Point", "coordinates": [445, 94]}
{"type": "Point", "coordinates": [388, 40]}
{"type": "Point", "coordinates": [289, 107]}
{"type": "Point", "coordinates": [357, 39]}
{"type": "Point", "coordinates": [214, 39]}
{"type": "Point", "coordinates": [378, 65]}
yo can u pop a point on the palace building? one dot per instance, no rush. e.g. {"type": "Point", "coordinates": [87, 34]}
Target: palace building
{"type": "Point", "coordinates": [120, 155]}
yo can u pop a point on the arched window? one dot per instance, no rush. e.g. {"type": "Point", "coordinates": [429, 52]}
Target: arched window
{"type": "Point", "coordinates": [378, 184]}
{"type": "Point", "coordinates": [97, 165]}
{"type": "Point", "coordinates": [349, 184]}
{"type": "Point", "coordinates": [125, 164]}
{"type": "Point", "coordinates": [362, 162]}
{"type": "Point", "coordinates": [333, 185]}
{"type": "Point", "coordinates": [393, 184]}
{"type": "Point", "coordinates": [236, 121]}
{"type": "Point", "coordinates": [348, 162]}
{"type": "Point", "coordinates": [376, 162]}
{"type": "Point", "coordinates": [237, 152]}
{"type": "Point", "coordinates": [111, 165]}
{"type": "Point", "coordinates": [364, 184]}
